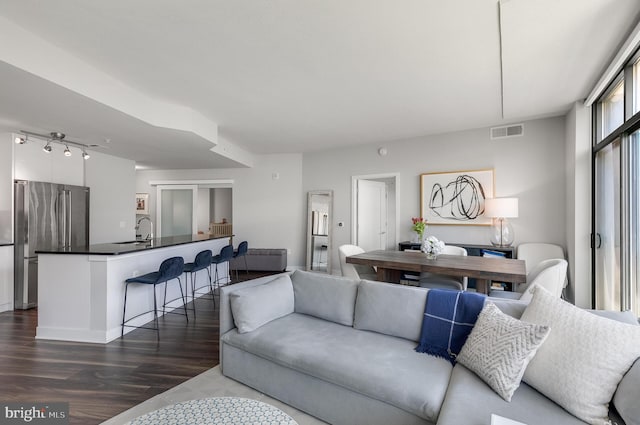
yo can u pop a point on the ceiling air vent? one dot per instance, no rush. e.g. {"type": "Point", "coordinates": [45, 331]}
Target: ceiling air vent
{"type": "Point", "coordinates": [507, 131]}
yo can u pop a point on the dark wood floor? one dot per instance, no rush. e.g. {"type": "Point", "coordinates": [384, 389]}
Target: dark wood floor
{"type": "Point", "coordinates": [99, 381]}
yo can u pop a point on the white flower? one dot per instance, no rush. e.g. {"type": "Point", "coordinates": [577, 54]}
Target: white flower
{"type": "Point", "coordinates": [432, 245]}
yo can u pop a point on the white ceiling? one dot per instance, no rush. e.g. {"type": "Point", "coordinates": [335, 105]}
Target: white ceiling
{"type": "Point", "coordinates": [162, 81]}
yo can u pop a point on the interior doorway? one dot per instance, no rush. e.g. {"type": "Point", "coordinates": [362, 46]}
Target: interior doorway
{"type": "Point", "coordinates": [374, 211]}
{"type": "Point", "coordinates": [191, 207]}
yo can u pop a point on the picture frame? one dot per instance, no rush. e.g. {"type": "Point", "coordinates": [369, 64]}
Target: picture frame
{"type": "Point", "coordinates": [142, 203]}
{"type": "Point", "coordinates": [456, 197]}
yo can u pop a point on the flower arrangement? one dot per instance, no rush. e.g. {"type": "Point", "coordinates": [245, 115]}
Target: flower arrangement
{"type": "Point", "coordinates": [432, 246]}
{"type": "Point", "coordinates": [419, 226]}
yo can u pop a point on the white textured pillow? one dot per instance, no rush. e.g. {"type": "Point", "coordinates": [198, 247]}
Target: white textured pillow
{"type": "Point", "coordinates": [258, 305]}
{"type": "Point", "coordinates": [583, 359]}
{"type": "Point", "coordinates": [499, 349]}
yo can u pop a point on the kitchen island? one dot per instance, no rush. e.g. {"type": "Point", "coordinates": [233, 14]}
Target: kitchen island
{"type": "Point", "coordinates": [81, 289]}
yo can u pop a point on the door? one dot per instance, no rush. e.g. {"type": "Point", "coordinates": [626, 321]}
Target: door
{"type": "Point", "coordinates": [371, 205]}
{"type": "Point", "coordinates": [177, 210]}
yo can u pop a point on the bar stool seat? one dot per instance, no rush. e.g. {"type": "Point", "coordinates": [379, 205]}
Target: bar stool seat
{"type": "Point", "coordinates": [202, 261]}
{"type": "Point", "coordinates": [225, 256]}
{"type": "Point", "coordinates": [171, 268]}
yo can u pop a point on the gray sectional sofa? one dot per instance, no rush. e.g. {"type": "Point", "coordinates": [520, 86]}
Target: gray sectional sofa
{"type": "Point", "coordinates": [343, 351]}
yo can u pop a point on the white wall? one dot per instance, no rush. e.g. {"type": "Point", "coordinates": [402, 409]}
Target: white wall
{"type": "Point", "coordinates": [112, 216]}
{"type": "Point", "coordinates": [268, 212]}
{"type": "Point", "coordinates": [578, 213]}
{"type": "Point", "coordinates": [6, 188]}
{"type": "Point", "coordinates": [530, 167]}
{"type": "Point", "coordinates": [6, 278]}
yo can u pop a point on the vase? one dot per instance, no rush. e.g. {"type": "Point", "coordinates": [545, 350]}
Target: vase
{"type": "Point", "coordinates": [431, 255]}
{"type": "Point", "coordinates": [418, 238]}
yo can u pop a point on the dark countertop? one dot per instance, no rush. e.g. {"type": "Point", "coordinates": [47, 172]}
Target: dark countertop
{"type": "Point", "coordinates": [129, 247]}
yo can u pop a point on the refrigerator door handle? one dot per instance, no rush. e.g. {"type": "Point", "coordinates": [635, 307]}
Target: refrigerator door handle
{"type": "Point", "coordinates": [68, 216]}
{"type": "Point", "coordinates": [62, 218]}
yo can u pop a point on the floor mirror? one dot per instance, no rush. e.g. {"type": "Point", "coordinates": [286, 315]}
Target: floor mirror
{"type": "Point", "coordinates": [319, 226]}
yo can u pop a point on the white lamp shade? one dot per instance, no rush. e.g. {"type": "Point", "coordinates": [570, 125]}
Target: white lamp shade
{"type": "Point", "coordinates": [501, 207]}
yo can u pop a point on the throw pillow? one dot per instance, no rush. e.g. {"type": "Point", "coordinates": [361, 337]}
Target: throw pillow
{"type": "Point", "coordinates": [499, 349]}
{"type": "Point", "coordinates": [583, 359]}
{"type": "Point", "coordinates": [258, 305]}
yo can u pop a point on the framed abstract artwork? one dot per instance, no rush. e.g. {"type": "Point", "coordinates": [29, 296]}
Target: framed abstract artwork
{"type": "Point", "coordinates": [456, 197]}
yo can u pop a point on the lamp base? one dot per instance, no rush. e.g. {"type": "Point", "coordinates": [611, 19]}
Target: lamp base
{"type": "Point", "coordinates": [501, 233]}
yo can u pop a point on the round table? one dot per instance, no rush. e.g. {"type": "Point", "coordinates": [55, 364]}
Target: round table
{"type": "Point", "coordinates": [215, 411]}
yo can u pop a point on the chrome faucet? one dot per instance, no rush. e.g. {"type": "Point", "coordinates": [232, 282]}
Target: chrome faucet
{"type": "Point", "coordinates": [146, 217]}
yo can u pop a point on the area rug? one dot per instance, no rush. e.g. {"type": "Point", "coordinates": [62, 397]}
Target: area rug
{"type": "Point", "coordinates": [208, 384]}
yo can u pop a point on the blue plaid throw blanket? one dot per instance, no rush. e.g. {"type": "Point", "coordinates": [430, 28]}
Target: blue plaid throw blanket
{"type": "Point", "coordinates": [449, 317]}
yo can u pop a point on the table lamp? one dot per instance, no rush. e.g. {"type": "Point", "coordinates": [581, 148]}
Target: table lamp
{"type": "Point", "coordinates": [499, 209]}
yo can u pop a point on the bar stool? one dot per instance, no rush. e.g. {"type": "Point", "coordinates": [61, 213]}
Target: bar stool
{"type": "Point", "coordinates": [225, 256]}
{"type": "Point", "coordinates": [243, 247]}
{"type": "Point", "coordinates": [170, 269]}
{"type": "Point", "coordinates": [202, 262]}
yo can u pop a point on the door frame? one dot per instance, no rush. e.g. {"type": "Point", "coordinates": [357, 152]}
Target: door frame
{"type": "Point", "coordinates": [354, 201]}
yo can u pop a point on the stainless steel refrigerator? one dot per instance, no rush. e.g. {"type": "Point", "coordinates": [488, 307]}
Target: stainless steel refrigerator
{"type": "Point", "coordinates": [47, 216]}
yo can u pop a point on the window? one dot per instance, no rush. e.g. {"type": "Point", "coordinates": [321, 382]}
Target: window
{"type": "Point", "coordinates": [616, 190]}
{"type": "Point", "coordinates": [613, 109]}
{"type": "Point", "coordinates": [607, 241]}
{"type": "Point", "coordinates": [636, 86]}
{"type": "Point", "coordinates": [632, 288]}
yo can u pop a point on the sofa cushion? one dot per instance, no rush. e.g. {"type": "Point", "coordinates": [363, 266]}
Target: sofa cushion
{"type": "Point", "coordinates": [253, 307]}
{"type": "Point", "coordinates": [584, 358]}
{"type": "Point", "coordinates": [325, 296]}
{"type": "Point", "coordinates": [379, 366]}
{"type": "Point", "coordinates": [499, 348]}
{"type": "Point", "coordinates": [390, 309]}
{"type": "Point", "coordinates": [470, 401]}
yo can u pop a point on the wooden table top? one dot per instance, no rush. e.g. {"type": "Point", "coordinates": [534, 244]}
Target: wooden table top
{"type": "Point", "coordinates": [489, 268]}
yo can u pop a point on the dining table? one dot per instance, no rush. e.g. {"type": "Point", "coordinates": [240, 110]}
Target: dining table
{"type": "Point", "coordinates": [390, 265]}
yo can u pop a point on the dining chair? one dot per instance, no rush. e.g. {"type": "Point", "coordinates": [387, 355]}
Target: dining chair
{"type": "Point", "coordinates": [354, 271]}
{"type": "Point", "coordinates": [548, 274]}
{"type": "Point", "coordinates": [535, 252]}
{"type": "Point", "coordinates": [435, 280]}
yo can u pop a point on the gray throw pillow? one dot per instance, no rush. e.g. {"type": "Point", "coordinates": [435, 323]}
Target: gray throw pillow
{"type": "Point", "coordinates": [258, 305]}
{"type": "Point", "coordinates": [499, 348]}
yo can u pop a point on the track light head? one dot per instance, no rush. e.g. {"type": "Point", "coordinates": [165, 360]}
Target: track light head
{"type": "Point", "coordinates": [85, 155]}
{"type": "Point", "coordinates": [67, 152]}
{"type": "Point", "coordinates": [20, 140]}
{"type": "Point", "coordinates": [47, 148]}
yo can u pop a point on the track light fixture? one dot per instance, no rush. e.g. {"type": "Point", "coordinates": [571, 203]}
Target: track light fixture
{"type": "Point", "coordinates": [54, 137]}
